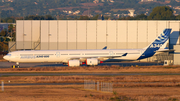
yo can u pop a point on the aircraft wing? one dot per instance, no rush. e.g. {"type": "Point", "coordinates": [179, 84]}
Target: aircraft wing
{"type": "Point", "coordinates": [98, 57]}
{"type": "Point", "coordinates": [163, 50]}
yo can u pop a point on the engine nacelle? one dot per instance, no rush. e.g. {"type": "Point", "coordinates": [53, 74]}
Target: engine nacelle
{"type": "Point", "coordinates": [92, 62]}
{"type": "Point", "coordinates": [74, 63]}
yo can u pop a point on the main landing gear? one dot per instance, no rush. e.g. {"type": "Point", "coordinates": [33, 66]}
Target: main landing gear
{"type": "Point", "coordinates": [16, 66]}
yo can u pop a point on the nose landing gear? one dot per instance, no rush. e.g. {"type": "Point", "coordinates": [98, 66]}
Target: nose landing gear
{"type": "Point", "coordinates": [16, 66]}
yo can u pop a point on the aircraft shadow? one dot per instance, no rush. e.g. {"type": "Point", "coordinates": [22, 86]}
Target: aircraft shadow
{"type": "Point", "coordinates": [104, 64]}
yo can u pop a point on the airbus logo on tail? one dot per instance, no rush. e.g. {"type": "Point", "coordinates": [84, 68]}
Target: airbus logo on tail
{"type": "Point", "coordinates": [156, 45]}
{"type": "Point", "coordinates": [161, 39]}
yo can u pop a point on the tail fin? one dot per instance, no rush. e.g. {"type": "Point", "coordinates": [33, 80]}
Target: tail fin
{"type": "Point", "coordinates": [159, 43]}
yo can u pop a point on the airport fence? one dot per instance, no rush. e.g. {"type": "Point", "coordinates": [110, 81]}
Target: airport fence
{"type": "Point", "coordinates": [98, 85]}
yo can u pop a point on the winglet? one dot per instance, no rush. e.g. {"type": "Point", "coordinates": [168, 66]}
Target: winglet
{"type": "Point", "coordinates": [105, 48]}
{"type": "Point", "coordinates": [125, 54]}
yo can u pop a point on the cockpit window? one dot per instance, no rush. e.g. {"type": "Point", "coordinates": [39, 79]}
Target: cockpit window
{"type": "Point", "coordinates": [8, 54]}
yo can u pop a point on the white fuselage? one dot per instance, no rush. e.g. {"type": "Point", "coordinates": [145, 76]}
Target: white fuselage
{"type": "Point", "coordinates": [65, 55]}
{"type": "Point", "coordinates": [90, 57]}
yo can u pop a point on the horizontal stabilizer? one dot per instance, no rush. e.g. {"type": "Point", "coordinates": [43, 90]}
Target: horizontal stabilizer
{"type": "Point", "coordinates": [105, 48]}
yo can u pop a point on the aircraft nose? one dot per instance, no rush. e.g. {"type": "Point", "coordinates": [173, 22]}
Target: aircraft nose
{"type": "Point", "coordinates": [6, 57]}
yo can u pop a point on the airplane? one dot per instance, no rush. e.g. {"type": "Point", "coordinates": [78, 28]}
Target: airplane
{"type": "Point", "coordinates": [90, 57]}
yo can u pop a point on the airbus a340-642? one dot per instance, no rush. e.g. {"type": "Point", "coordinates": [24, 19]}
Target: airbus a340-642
{"type": "Point", "coordinates": [90, 57]}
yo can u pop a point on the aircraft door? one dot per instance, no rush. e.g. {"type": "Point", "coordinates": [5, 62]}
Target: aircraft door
{"type": "Point", "coordinates": [111, 53]}
{"type": "Point", "coordinates": [57, 54]}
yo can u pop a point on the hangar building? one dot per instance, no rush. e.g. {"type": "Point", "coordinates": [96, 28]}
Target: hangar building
{"type": "Point", "coordinates": [93, 34]}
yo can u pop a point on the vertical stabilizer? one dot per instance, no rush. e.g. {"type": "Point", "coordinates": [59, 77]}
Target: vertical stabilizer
{"type": "Point", "coordinates": [160, 42]}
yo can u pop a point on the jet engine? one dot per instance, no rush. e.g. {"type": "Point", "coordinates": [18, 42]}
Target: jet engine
{"type": "Point", "coordinates": [74, 63]}
{"type": "Point", "coordinates": [92, 62]}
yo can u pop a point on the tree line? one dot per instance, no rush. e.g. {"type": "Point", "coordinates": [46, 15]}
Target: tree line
{"type": "Point", "coordinates": [158, 13]}
{"type": "Point", "coordinates": [24, 8]}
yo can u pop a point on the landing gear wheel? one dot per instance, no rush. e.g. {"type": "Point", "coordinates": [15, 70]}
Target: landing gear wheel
{"type": "Point", "coordinates": [15, 66]}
